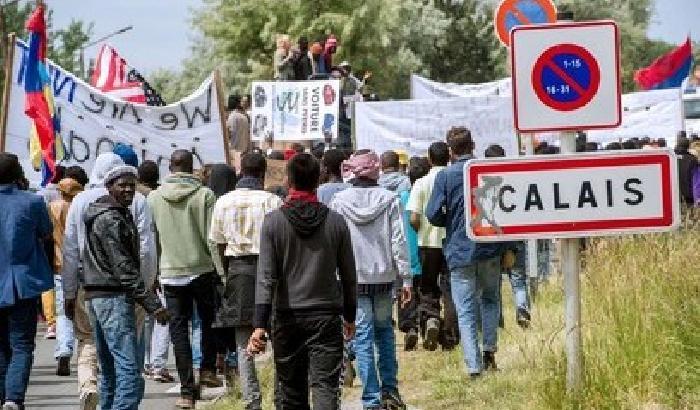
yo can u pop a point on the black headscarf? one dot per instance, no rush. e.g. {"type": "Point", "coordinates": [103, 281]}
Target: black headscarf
{"type": "Point", "coordinates": [222, 179]}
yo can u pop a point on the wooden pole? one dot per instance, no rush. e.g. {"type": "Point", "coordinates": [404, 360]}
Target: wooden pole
{"type": "Point", "coordinates": [222, 114]}
{"type": "Point", "coordinates": [9, 59]}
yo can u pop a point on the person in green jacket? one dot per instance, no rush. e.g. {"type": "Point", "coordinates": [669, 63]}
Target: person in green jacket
{"type": "Point", "coordinates": [182, 209]}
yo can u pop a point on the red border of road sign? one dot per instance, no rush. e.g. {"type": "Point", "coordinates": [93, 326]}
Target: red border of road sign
{"type": "Point", "coordinates": [547, 58]}
{"type": "Point", "coordinates": [569, 25]}
{"type": "Point", "coordinates": [499, 17]}
{"type": "Point", "coordinates": [578, 162]}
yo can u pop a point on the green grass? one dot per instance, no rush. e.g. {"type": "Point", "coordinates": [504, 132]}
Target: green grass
{"type": "Point", "coordinates": [641, 335]}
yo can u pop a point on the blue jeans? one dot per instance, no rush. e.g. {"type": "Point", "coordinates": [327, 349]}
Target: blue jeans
{"type": "Point", "coordinates": [17, 333]}
{"type": "Point", "coordinates": [113, 321]}
{"type": "Point", "coordinates": [65, 337]}
{"type": "Point", "coordinates": [374, 329]}
{"type": "Point", "coordinates": [475, 289]}
{"type": "Point", "coordinates": [518, 283]}
{"type": "Point", "coordinates": [156, 342]}
{"type": "Point", "coordinates": [196, 338]}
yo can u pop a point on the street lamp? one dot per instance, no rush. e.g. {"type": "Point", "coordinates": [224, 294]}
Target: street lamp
{"type": "Point", "coordinates": [99, 40]}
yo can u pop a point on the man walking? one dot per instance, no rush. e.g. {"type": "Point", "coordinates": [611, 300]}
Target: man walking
{"type": "Point", "coordinates": [434, 280]}
{"type": "Point", "coordinates": [113, 284]}
{"type": "Point", "coordinates": [302, 247]}
{"type": "Point", "coordinates": [24, 274]}
{"type": "Point", "coordinates": [391, 178]}
{"type": "Point", "coordinates": [474, 268]}
{"type": "Point", "coordinates": [373, 215]}
{"type": "Point", "coordinates": [182, 209]}
{"type": "Point", "coordinates": [73, 248]}
{"type": "Point", "coordinates": [235, 228]}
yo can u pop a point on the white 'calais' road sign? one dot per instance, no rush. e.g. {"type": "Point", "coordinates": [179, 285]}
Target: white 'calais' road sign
{"type": "Point", "coordinates": [566, 76]}
{"type": "Point", "coordinates": [567, 196]}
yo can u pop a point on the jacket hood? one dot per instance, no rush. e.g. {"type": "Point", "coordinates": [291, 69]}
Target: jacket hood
{"type": "Point", "coordinates": [305, 217]}
{"type": "Point", "coordinates": [392, 180]}
{"type": "Point", "coordinates": [103, 164]}
{"type": "Point", "coordinates": [100, 206]}
{"type": "Point", "coordinates": [178, 186]}
{"type": "Point", "coordinates": [362, 205]}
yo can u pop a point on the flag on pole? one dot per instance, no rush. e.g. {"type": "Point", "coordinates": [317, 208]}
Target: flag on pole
{"type": "Point", "coordinates": [45, 144]}
{"type": "Point", "coordinates": [113, 76]}
{"type": "Point", "coordinates": [667, 71]}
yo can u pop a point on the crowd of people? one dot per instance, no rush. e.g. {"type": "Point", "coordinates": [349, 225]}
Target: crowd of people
{"type": "Point", "coordinates": [127, 262]}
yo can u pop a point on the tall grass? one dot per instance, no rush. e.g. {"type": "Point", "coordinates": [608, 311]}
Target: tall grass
{"type": "Point", "coordinates": [641, 316]}
{"type": "Point", "coordinates": [641, 337]}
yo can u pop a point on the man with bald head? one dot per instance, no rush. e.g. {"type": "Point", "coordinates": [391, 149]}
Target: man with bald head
{"type": "Point", "coordinates": [182, 209]}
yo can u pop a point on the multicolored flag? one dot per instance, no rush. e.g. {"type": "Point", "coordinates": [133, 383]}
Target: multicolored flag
{"type": "Point", "coordinates": [667, 71]}
{"type": "Point", "coordinates": [45, 145]}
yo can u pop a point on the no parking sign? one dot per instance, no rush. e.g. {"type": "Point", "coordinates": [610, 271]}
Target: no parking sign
{"type": "Point", "coordinates": [566, 76]}
{"type": "Point", "coordinates": [511, 13]}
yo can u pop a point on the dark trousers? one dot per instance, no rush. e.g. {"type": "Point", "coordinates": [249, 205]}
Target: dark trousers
{"type": "Point", "coordinates": [408, 315]}
{"type": "Point", "coordinates": [308, 349]}
{"type": "Point", "coordinates": [435, 295]}
{"type": "Point", "coordinates": [179, 299]}
{"type": "Point", "coordinates": [17, 333]}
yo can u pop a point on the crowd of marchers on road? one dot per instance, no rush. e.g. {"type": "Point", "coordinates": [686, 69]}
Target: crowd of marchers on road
{"type": "Point", "coordinates": [219, 265]}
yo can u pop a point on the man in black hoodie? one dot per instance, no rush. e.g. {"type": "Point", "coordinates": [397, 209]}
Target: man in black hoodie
{"type": "Point", "coordinates": [113, 284]}
{"type": "Point", "coordinates": [307, 268]}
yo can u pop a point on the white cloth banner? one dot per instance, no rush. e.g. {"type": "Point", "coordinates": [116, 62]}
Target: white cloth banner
{"type": "Point", "coordinates": [654, 114]}
{"type": "Point", "coordinates": [412, 125]}
{"type": "Point", "coordinates": [92, 122]}
{"type": "Point", "coordinates": [295, 110]}
{"type": "Point", "coordinates": [425, 89]}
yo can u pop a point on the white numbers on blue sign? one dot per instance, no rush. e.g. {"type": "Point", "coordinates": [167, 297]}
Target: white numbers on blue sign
{"type": "Point", "coordinates": [561, 89]}
{"type": "Point", "coordinates": [572, 63]}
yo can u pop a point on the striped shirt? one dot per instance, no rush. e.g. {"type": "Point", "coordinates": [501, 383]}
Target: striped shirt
{"type": "Point", "coordinates": [237, 220]}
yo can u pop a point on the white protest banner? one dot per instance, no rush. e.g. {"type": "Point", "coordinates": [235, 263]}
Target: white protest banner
{"type": "Point", "coordinates": [91, 122]}
{"type": "Point", "coordinates": [653, 114]}
{"type": "Point", "coordinates": [295, 110]}
{"type": "Point", "coordinates": [412, 125]}
{"type": "Point", "coordinates": [426, 89]}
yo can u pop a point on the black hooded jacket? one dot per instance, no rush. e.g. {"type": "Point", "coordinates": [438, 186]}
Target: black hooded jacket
{"type": "Point", "coordinates": [306, 263]}
{"type": "Point", "coordinates": [111, 255]}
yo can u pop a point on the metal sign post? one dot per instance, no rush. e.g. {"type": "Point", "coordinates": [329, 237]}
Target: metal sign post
{"type": "Point", "coordinates": [571, 270]}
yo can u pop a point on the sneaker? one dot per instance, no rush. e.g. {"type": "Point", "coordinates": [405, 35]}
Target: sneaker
{"type": "Point", "coordinates": [392, 401]}
{"type": "Point", "coordinates": [522, 316]}
{"type": "Point", "coordinates": [63, 366]}
{"type": "Point", "coordinates": [10, 405]}
{"type": "Point", "coordinates": [410, 340]}
{"type": "Point", "coordinates": [162, 376]}
{"type": "Point", "coordinates": [89, 400]}
{"type": "Point", "coordinates": [490, 361]}
{"type": "Point", "coordinates": [209, 379]}
{"type": "Point", "coordinates": [432, 331]}
{"type": "Point", "coordinates": [184, 403]}
{"type": "Point", "coordinates": [50, 332]}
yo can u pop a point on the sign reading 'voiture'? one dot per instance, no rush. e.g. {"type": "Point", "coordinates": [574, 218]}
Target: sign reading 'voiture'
{"type": "Point", "coordinates": [571, 195]}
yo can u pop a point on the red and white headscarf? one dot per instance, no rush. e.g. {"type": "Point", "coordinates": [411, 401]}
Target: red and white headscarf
{"type": "Point", "coordinates": [361, 166]}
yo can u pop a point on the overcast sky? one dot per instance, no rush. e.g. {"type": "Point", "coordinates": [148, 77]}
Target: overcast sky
{"type": "Point", "coordinates": [162, 30]}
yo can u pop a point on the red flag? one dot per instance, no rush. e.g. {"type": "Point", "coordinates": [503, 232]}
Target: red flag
{"type": "Point", "coordinates": [667, 71]}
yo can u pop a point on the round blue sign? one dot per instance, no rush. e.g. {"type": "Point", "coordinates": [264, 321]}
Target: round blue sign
{"type": "Point", "coordinates": [566, 77]}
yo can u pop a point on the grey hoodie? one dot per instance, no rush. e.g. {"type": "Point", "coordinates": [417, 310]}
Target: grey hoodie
{"type": "Point", "coordinates": [395, 182]}
{"type": "Point", "coordinates": [379, 242]}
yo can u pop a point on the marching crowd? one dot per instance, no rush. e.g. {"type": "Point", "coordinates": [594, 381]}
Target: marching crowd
{"type": "Point", "coordinates": [125, 263]}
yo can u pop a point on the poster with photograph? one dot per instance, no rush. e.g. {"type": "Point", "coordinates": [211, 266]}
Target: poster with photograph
{"type": "Point", "coordinates": [295, 110]}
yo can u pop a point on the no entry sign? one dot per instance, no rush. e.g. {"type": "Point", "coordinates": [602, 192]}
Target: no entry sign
{"type": "Point", "coordinates": [566, 76]}
{"type": "Point", "coordinates": [568, 196]}
{"type": "Point", "coordinates": [511, 13]}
